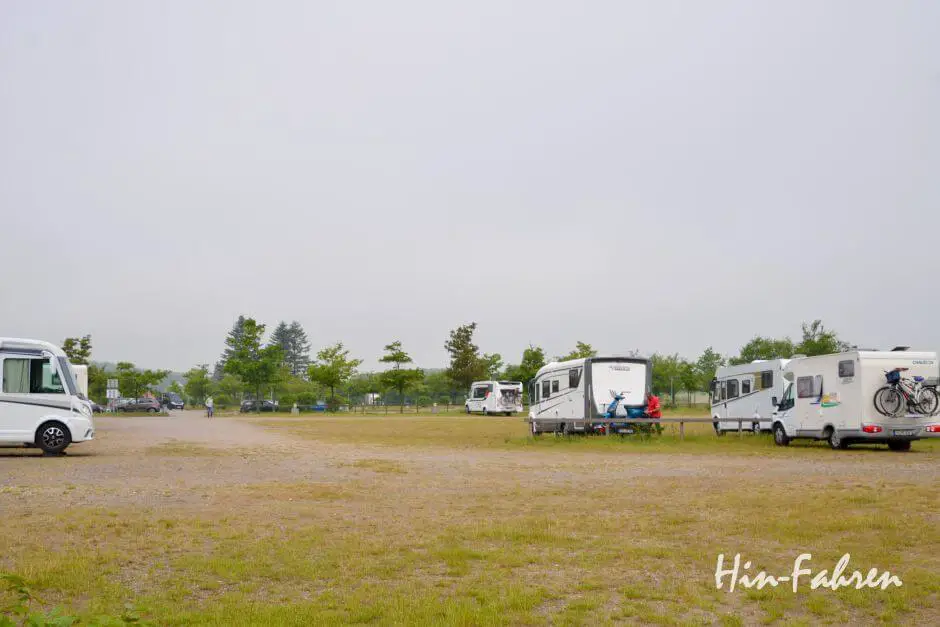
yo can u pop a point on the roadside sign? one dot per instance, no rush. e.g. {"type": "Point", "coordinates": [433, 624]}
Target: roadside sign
{"type": "Point", "coordinates": [113, 393]}
{"type": "Point", "coordinates": [112, 384]}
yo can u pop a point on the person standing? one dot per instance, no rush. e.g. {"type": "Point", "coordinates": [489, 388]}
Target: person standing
{"type": "Point", "coordinates": [210, 406]}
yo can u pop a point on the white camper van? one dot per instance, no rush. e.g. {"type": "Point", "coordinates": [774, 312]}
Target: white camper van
{"type": "Point", "coordinates": [747, 391]}
{"type": "Point", "coordinates": [575, 395]}
{"type": "Point", "coordinates": [832, 398]}
{"type": "Point", "coordinates": [495, 397]}
{"type": "Point", "coordinates": [40, 402]}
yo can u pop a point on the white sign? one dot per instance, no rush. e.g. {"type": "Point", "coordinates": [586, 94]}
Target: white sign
{"type": "Point", "coordinates": [113, 393]}
{"type": "Point", "coordinates": [112, 384]}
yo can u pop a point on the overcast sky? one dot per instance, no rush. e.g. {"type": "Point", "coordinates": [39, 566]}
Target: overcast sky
{"type": "Point", "coordinates": [660, 176]}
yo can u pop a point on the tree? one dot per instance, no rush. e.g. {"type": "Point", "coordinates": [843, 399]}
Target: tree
{"type": "Point", "coordinates": [581, 351]}
{"type": "Point", "coordinates": [293, 342]}
{"type": "Point", "coordinates": [706, 366]}
{"type": "Point", "coordinates": [398, 378]}
{"type": "Point", "coordinates": [233, 340]}
{"type": "Point", "coordinates": [666, 373]}
{"type": "Point", "coordinates": [533, 358]}
{"type": "Point", "coordinates": [197, 384]}
{"type": "Point", "coordinates": [817, 340]}
{"type": "Point", "coordinates": [230, 389]}
{"type": "Point", "coordinates": [133, 382]}
{"type": "Point", "coordinates": [257, 366]}
{"type": "Point", "coordinates": [764, 348]}
{"type": "Point", "coordinates": [466, 365]}
{"type": "Point", "coordinates": [175, 388]}
{"type": "Point", "coordinates": [689, 379]}
{"type": "Point", "coordinates": [78, 349]}
{"type": "Point", "coordinates": [332, 369]}
{"type": "Point", "coordinates": [492, 365]}
{"type": "Point", "coordinates": [439, 386]}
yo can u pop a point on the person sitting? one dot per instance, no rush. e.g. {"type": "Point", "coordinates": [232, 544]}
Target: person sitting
{"type": "Point", "coordinates": [653, 408]}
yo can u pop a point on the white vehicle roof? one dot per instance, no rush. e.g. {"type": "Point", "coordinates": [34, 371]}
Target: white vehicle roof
{"type": "Point", "coordinates": [578, 363]}
{"type": "Point", "coordinates": [758, 365]}
{"type": "Point", "coordinates": [22, 344]}
{"type": "Point", "coordinates": [864, 356]}
{"type": "Point", "coordinates": [496, 383]}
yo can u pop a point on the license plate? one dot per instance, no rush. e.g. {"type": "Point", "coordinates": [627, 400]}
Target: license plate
{"type": "Point", "coordinates": [626, 431]}
{"type": "Point", "coordinates": [905, 431]}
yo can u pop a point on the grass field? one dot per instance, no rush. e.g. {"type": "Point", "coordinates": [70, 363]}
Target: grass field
{"type": "Point", "coordinates": [466, 521]}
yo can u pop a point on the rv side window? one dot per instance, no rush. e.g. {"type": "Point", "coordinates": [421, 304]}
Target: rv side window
{"type": "Point", "coordinates": [555, 386]}
{"type": "Point", "coordinates": [766, 379]}
{"type": "Point", "coordinates": [533, 398]}
{"type": "Point", "coordinates": [846, 369]}
{"type": "Point", "coordinates": [546, 388]}
{"type": "Point", "coordinates": [732, 388]}
{"type": "Point", "coordinates": [746, 386]}
{"type": "Point", "coordinates": [723, 390]}
{"type": "Point", "coordinates": [574, 378]}
{"type": "Point", "coordinates": [479, 392]}
{"type": "Point", "coordinates": [30, 376]}
{"type": "Point", "coordinates": [809, 387]}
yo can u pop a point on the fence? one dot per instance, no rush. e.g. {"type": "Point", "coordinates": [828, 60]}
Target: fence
{"type": "Point", "coordinates": [681, 421]}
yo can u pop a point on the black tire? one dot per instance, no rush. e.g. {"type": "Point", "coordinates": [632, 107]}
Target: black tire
{"type": "Point", "coordinates": [836, 443]}
{"type": "Point", "coordinates": [929, 402]}
{"type": "Point", "coordinates": [508, 413]}
{"type": "Point", "coordinates": [53, 437]}
{"type": "Point", "coordinates": [780, 435]}
{"type": "Point", "coordinates": [888, 401]}
{"type": "Point", "coordinates": [902, 445]}
{"type": "Point", "coordinates": [152, 410]}
{"type": "Point", "coordinates": [467, 407]}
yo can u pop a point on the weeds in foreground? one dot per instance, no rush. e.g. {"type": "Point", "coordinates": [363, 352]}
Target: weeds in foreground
{"type": "Point", "coordinates": [19, 610]}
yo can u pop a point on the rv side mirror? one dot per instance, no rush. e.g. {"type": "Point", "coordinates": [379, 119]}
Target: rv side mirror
{"type": "Point", "coordinates": [773, 401]}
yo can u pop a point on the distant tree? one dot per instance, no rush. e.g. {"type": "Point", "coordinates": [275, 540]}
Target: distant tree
{"type": "Point", "coordinates": [764, 348]}
{"type": "Point", "coordinates": [398, 378]}
{"type": "Point", "coordinates": [666, 374]}
{"type": "Point", "coordinates": [466, 365]}
{"type": "Point", "coordinates": [817, 340]}
{"type": "Point", "coordinates": [218, 371]}
{"type": "Point", "coordinates": [706, 366]}
{"type": "Point", "coordinates": [332, 369]}
{"type": "Point", "coordinates": [581, 351]}
{"type": "Point", "coordinates": [439, 387]}
{"type": "Point", "coordinates": [133, 382]}
{"type": "Point", "coordinates": [689, 380]}
{"type": "Point", "coordinates": [257, 366]}
{"type": "Point", "coordinates": [175, 388]}
{"type": "Point", "coordinates": [231, 387]}
{"type": "Point", "coordinates": [97, 383]}
{"type": "Point", "coordinates": [78, 349]}
{"type": "Point", "coordinates": [197, 384]}
{"type": "Point", "coordinates": [231, 342]}
{"type": "Point", "coordinates": [492, 365]}
{"type": "Point", "coordinates": [533, 358]}
{"type": "Point", "coordinates": [293, 342]}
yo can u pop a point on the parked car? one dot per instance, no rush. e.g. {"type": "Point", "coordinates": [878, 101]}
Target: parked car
{"type": "Point", "coordinates": [149, 405]}
{"type": "Point", "coordinates": [96, 408]}
{"type": "Point", "coordinates": [172, 401]}
{"type": "Point", "coordinates": [250, 406]}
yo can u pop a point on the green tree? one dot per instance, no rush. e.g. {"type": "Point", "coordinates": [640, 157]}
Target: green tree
{"type": "Point", "coordinates": [293, 342]}
{"type": "Point", "coordinates": [230, 388]}
{"type": "Point", "coordinates": [689, 379]}
{"type": "Point", "coordinates": [818, 340]}
{"type": "Point", "coordinates": [398, 378]}
{"type": "Point", "coordinates": [466, 365]}
{"type": "Point", "coordinates": [706, 366]}
{"type": "Point", "coordinates": [581, 351]}
{"type": "Point", "coordinates": [533, 358]}
{"type": "Point", "coordinates": [97, 383]}
{"type": "Point", "coordinates": [197, 384]}
{"type": "Point", "coordinates": [78, 349]}
{"type": "Point", "coordinates": [492, 365]}
{"type": "Point", "coordinates": [332, 369]}
{"type": "Point", "coordinates": [666, 374]}
{"type": "Point", "coordinates": [232, 340]}
{"type": "Point", "coordinates": [257, 366]}
{"type": "Point", "coordinates": [133, 382]}
{"type": "Point", "coordinates": [439, 387]}
{"type": "Point", "coordinates": [764, 348]}
{"type": "Point", "coordinates": [175, 388]}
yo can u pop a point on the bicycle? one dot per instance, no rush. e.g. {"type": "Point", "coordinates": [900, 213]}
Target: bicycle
{"type": "Point", "coordinates": [902, 394]}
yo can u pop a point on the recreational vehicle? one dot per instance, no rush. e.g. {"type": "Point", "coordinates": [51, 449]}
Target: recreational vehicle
{"type": "Point", "coordinates": [833, 398]}
{"type": "Point", "coordinates": [40, 402]}
{"type": "Point", "coordinates": [495, 397]}
{"type": "Point", "coordinates": [749, 392]}
{"type": "Point", "coordinates": [580, 395]}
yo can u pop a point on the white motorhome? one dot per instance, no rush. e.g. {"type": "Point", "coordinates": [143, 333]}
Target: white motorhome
{"type": "Point", "coordinates": [40, 402]}
{"type": "Point", "coordinates": [495, 397]}
{"type": "Point", "coordinates": [747, 391]}
{"type": "Point", "coordinates": [575, 395]}
{"type": "Point", "coordinates": [832, 398]}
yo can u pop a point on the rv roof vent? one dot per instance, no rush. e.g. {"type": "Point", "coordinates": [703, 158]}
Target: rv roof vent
{"type": "Point", "coordinates": [900, 349]}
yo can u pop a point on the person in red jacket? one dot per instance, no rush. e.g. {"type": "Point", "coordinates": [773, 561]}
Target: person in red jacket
{"type": "Point", "coordinates": [653, 408]}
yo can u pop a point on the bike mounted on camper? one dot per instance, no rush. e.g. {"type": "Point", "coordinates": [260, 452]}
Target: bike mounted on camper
{"type": "Point", "coordinates": [903, 395]}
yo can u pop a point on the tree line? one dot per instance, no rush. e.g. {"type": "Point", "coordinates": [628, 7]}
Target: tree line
{"type": "Point", "coordinates": [283, 368]}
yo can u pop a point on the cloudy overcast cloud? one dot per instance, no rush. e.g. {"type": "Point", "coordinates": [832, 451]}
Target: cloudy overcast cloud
{"type": "Point", "coordinates": [654, 175]}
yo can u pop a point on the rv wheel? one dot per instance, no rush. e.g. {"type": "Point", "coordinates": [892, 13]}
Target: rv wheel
{"type": "Point", "coordinates": [53, 437]}
{"type": "Point", "coordinates": [151, 411]}
{"type": "Point", "coordinates": [835, 442]}
{"type": "Point", "coordinates": [780, 435]}
{"type": "Point", "coordinates": [467, 407]}
{"type": "Point", "coordinates": [899, 446]}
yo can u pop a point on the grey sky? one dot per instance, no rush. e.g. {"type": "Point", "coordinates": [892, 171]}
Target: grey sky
{"type": "Point", "coordinates": [653, 175]}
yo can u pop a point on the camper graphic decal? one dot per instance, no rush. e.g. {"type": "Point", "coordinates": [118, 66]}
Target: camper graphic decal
{"type": "Point", "coordinates": [830, 400]}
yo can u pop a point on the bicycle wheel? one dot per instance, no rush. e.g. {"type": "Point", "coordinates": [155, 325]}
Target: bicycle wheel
{"type": "Point", "coordinates": [889, 402]}
{"type": "Point", "coordinates": [928, 402]}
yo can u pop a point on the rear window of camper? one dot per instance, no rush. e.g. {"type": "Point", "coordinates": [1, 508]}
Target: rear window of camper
{"type": "Point", "coordinates": [846, 368]}
{"type": "Point", "coordinates": [732, 388]}
{"type": "Point", "coordinates": [574, 377]}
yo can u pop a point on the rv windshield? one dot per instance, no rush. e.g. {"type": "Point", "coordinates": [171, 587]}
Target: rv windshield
{"type": "Point", "coordinates": [68, 377]}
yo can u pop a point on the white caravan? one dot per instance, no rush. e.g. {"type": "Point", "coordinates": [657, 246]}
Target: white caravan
{"type": "Point", "coordinates": [575, 395]}
{"type": "Point", "coordinates": [832, 398]}
{"type": "Point", "coordinates": [495, 397]}
{"type": "Point", "coordinates": [747, 391]}
{"type": "Point", "coordinates": [40, 403]}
